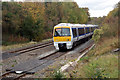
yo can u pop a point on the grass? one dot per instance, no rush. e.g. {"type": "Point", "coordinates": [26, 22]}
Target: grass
{"type": "Point", "coordinates": [58, 75]}
{"type": "Point", "coordinates": [105, 45]}
{"type": "Point", "coordinates": [100, 62]}
{"type": "Point", "coordinates": [84, 58]}
{"type": "Point", "coordinates": [19, 45]}
{"type": "Point", "coordinates": [1, 64]}
{"type": "Point", "coordinates": [104, 67]}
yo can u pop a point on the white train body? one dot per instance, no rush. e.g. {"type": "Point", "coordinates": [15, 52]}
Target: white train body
{"type": "Point", "coordinates": [66, 34]}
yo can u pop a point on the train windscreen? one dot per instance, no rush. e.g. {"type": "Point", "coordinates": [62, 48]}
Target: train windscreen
{"type": "Point", "coordinates": [62, 32]}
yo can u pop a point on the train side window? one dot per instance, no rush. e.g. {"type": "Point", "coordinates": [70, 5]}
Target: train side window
{"type": "Point", "coordinates": [87, 30]}
{"type": "Point", "coordinates": [74, 32]}
{"type": "Point", "coordinates": [81, 31]}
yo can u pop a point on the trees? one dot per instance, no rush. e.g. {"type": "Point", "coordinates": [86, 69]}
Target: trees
{"type": "Point", "coordinates": [108, 25]}
{"type": "Point", "coordinates": [34, 20]}
{"type": "Point", "coordinates": [12, 13]}
{"type": "Point", "coordinates": [111, 22]}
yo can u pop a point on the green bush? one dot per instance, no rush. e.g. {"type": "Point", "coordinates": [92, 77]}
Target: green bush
{"type": "Point", "coordinates": [58, 75]}
{"type": "Point", "coordinates": [97, 35]}
{"type": "Point", "coordinates": [109, 30]}
{"type": "Point", "coordinates": [93, 71]}
{"type": "Point", "coordinates": [84, 58]}
{"type": "Point", "coordinates": [102, 67]}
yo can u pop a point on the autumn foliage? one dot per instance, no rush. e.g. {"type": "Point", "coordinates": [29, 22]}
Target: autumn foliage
{"type": "Point", "coordinates": [34, 21]}
{"type": "Point", "coordinates": [109, 26]}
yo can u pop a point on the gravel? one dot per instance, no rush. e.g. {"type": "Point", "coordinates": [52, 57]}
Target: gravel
{"type": "Point", "coordinates": [11, 62]}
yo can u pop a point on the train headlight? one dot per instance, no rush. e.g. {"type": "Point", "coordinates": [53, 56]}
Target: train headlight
{"type": "Point", "coordinates": [67, 39]}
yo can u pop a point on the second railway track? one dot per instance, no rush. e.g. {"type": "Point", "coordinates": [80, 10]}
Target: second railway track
{"type": "Point", "coordinates": [12, 53]}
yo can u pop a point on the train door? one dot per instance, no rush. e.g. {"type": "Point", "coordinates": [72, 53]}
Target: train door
{"type": "Point", "coordinates": [84, 31]}
{"type": "Point", "coordinates": [74, 31]}
{"type": "Point", "coordinates": [77, 34]}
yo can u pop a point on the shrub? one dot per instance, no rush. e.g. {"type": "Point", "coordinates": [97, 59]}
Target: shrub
{"type": "Point", "coordinates": [97, 35]}
{"type": "Point", "coordinates": [13, 39]}
{"type": "Point", "coordinates": [93, 71]}
{"type": "Point", "coordinates": [58, 75]}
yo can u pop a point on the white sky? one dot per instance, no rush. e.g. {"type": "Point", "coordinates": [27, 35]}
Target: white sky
{"type": "Point", "coordinates": [97, 8]}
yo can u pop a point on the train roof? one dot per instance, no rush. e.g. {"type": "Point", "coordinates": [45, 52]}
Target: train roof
{"type": "Point", "coordinates": [76, 25]}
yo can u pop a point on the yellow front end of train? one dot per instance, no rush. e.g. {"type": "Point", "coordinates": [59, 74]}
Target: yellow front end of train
{"type": "Point", "coordinates": [62, 37]}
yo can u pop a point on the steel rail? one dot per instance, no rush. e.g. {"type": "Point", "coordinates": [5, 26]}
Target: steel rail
{"type": "Point", "coordinates": [51, 55]}
{"type": "Point", "coordinates": [21, 51]}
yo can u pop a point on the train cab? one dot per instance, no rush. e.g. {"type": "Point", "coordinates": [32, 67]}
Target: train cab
{"type": "Point", "coordinates": [62, 37]}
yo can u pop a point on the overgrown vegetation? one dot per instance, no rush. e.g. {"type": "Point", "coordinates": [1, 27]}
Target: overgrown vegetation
{"type": "Point", "coordinates": [23, 22]}
{"type": "Point", "coordinates": [109, 26]}
{"type": "Point", "coordinates": [106, 38]}
{"type": "Point", "coordinates": [104, 67]}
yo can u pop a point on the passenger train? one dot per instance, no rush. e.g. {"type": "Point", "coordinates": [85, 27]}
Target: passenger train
{"type": "Point", "coordinates": [65, 35]}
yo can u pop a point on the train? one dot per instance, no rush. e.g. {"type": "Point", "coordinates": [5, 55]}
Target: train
{"type": "Point", "coordinates": [65, 35]}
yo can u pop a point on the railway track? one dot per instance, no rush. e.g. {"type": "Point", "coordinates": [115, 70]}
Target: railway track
{"type": "Point", "coordinates": [45, 60]}
{"type": "Point", "coordinates": [16, 52]}
{"type": "Point", "coordinates": [39, 64]}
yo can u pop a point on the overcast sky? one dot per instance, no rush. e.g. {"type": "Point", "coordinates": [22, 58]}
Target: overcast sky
{"type": "Point", "coordinates": [98, 8]}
